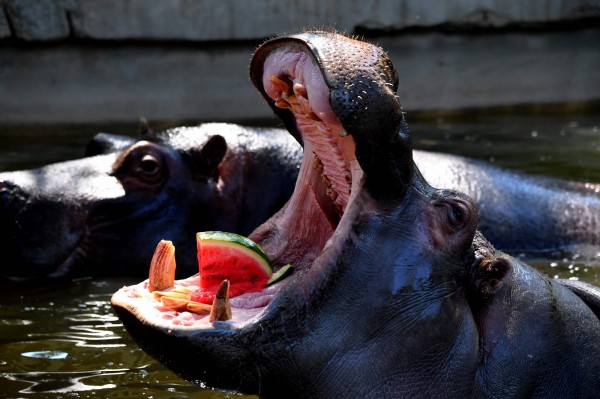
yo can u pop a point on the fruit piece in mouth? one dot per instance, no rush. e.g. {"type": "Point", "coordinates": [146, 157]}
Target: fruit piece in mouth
{"type": "Point", "coordinates": [329, 179]}
{"type": "Point", "coordinates": [230, 265]}
{"type": "Point", "coordinates": [232, 257]}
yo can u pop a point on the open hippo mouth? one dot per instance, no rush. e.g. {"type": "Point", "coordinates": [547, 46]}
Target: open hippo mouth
{"type": "Point", "coordinates": [326, 102]}
{"type": "Point", "coordinates": [361, 226]}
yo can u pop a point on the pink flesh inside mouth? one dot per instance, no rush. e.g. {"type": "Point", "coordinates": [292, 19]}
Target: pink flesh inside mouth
{"type": "Point", "coordinates": [329, 178]}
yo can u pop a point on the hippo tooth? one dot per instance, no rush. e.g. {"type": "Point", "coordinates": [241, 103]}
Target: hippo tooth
{"type": "Point", "coordinates": [179, 299]}
{"type": "Point", "coordinates": [343, 133]}
{"type": "Point", "coordinates": [177, 304]}
{"type": "Point", "coordinates": [221, 309]}
{"type": "Point", "coordinates": [162, 267]}
{"type": "Point", "coordinates": [281, 84]}
{"type": "Point", "coordinates": [300, 90]}
{"type": "Point", "coordinates": [174, 293]}
{"type": "Point", "coordinates": [281, 103]}
{"type": "Point", "coordinates": [313, 117]}
{"type": "Point", "coordinates": [348, 177]}
{"type": "Point", "coordinates": [182, 304]}
{"type": "Point", "coordinates": [199, 308]}
{"type": "Point", "coordinates": [318, 164]}
{"type": "Point", "coordinates": [291, 99]}
{"type": "Point", "coordinates": [331, 193]}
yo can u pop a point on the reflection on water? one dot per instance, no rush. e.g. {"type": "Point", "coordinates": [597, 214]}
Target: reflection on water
{"type": "Point", "coordinates": [65, 342]}
{"type": "Point", "coordinates": [29, 147]}
{"type": "Point", "coordinates": [563, 147]}
{"type": "Point", "coordinates": [69, 344]}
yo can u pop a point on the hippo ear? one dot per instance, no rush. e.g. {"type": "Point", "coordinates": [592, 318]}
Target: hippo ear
{"type": "Point", "coordinates": [491, 275]}
{"type": "Point", "coordinates": [144, 128]}
{"type": "Point", "coordinates": [106, 143]}
{"type": "Point", "coordinates": [212, 153]}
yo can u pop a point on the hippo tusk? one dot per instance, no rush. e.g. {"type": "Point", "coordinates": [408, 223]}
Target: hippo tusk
{"type": "Point", "coordinates": [162, 267]}
{"type": "Point", "coordinates": [221, 309]}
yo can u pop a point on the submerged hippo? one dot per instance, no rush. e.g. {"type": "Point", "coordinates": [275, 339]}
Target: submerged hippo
{"type": "Point", "coordinates": [395, 293]}
{"type": "Point", "coordinates": [104, 214]}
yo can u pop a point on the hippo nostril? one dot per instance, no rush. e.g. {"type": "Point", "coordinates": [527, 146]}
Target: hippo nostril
{"type": "Point", "coordinates": [7, 191]}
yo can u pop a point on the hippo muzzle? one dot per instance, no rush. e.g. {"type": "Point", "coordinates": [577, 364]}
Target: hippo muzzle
{"type": "Point", "coordinates": [378, 253]}
{"type": "Point", "coordinates": [43, 214]}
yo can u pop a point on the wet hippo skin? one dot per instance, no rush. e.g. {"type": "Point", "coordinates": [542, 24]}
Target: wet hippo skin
{"type": "Point", "coordinates": [395, 293]}
{"type": "Point", "coordinates": [104, 214]}
{"type": "Point", "coordinates": [82, 217]}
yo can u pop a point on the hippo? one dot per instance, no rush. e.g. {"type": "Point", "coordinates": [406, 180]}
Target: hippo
{"type": "Point", "coordinates": [395, 293]}
{"type": "Point", "coordinates": [45, 212]}
{"type": "Point", "coordinates": [102, 215]}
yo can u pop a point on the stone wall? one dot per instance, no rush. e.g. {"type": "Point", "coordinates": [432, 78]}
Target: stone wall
{"type": "Point", "coordinates": [203, 20]}
{"type": "Point", "coordinates": [117, 60]}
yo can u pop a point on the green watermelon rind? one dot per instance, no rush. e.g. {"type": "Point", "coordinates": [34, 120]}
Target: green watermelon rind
{"type": "Point", "coordinates": [280, 274]}
{"type": "Point", "coordinates": [238, 242]}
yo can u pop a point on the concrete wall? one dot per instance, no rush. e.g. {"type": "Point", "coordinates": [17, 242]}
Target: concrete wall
{"type": "Point", "coordinates": [117, 60]}
{"type": "Point", "coordinates": [203, 20]}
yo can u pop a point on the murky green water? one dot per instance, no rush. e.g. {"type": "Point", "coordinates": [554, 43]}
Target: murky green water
{"type": "Point", "coordinates": [65, 342]}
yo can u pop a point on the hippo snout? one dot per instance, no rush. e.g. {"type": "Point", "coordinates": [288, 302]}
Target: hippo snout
{"type": "Point", "coordinates": [9, 193]}
{"type": "Point", "coordinates": [26, 223]}
{"type": "Point", "coordinates": [12, 200]}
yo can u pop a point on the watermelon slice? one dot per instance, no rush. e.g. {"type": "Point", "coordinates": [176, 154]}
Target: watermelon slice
{"type": "Point", "coordinates": [229, 256]}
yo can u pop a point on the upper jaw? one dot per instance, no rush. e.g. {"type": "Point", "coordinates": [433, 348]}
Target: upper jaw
{"type": "Point", "coordinates": [361, 160]}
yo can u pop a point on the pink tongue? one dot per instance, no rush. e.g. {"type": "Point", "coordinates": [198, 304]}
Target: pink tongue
{"type": "Point", "coordinates": [207, 295]}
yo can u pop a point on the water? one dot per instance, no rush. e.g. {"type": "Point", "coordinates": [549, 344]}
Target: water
{"type": "Point", "coordinates": [65, 342]}
{"type": "Point", "coordinates": [68, 343]}
{"type": "Point", "coordinates": [563, 147]}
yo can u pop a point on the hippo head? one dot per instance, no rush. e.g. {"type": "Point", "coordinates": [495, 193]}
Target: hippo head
{"type": "Point", "coordinates": [103, 214]}
{"type": "Point", "coordinates": [379, 255]}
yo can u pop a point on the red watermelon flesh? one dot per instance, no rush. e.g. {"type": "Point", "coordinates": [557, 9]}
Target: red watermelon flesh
{"type": "Point", "coordinates": [228, 256]}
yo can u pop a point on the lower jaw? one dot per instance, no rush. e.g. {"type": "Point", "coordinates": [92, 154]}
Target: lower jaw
{"type": "Point", "coordinates": [245, 308]}
{"type": "Point", "coordinates": [298, 234]}
{"type": "Point", "coordinates": [249, 308]}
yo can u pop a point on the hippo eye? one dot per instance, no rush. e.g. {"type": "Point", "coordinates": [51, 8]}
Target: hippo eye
{"type": "Point", "coordinates": [457, 215]}
{"type": "Point", "coordinates": [149, 165]}
{"type": "Point", "coordinates": [143, 167]}
{"type": "Point", "coordinates": [149, 169]}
